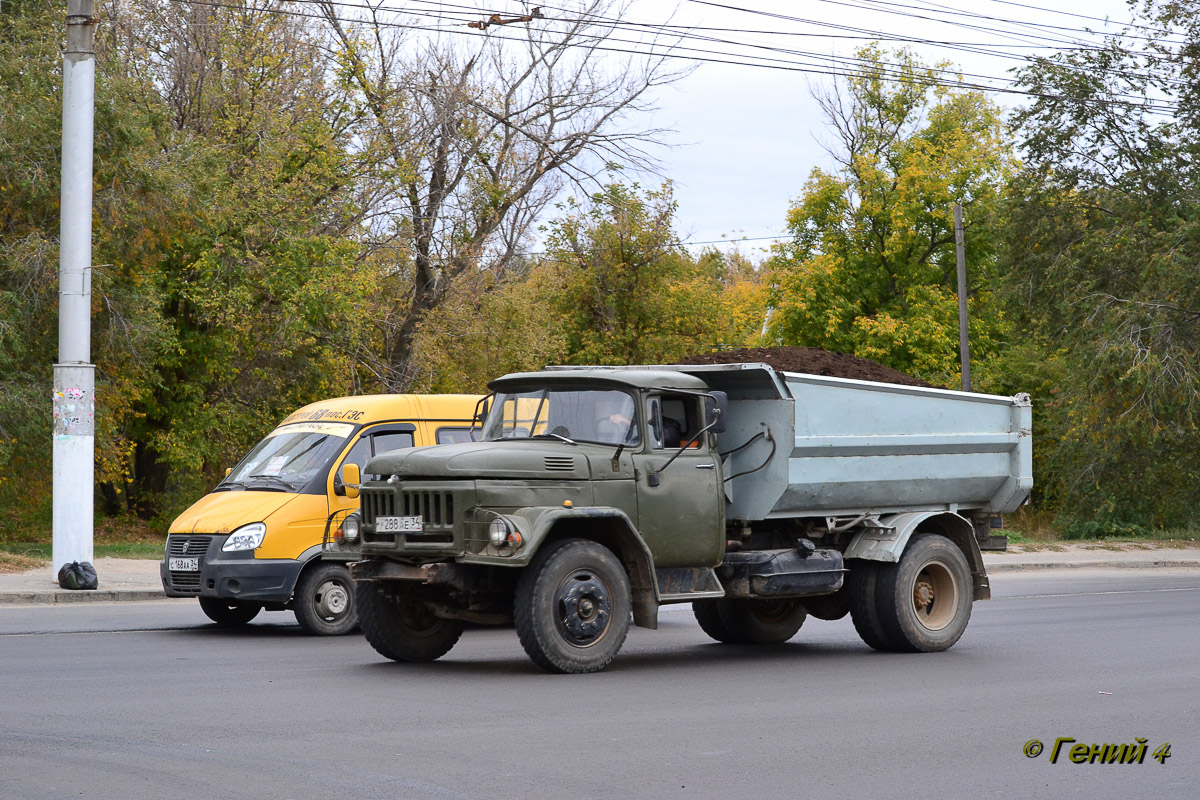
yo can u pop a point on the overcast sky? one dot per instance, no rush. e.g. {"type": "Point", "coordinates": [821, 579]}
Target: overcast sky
{"type": "Point", "coordinates": [747, 137]}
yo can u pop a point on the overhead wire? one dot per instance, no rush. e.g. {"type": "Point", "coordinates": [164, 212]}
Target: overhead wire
{"type": "Point", "coordinates": [781, 59]}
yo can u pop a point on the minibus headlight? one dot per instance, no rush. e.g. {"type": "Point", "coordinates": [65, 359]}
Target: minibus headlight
{"type": "Point", "coordinates": [247, 537]}
{"type": "Point", "coordinates": [350, 528]}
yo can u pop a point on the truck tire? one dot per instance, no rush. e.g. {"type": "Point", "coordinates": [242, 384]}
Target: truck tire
{"type": "Point", "coordinates": [324, 600]}
{"type": "Point", "coordinates": [400, 626]}
{"type": "Point", "coordinates": [864, 604]}
{"type": "Point", "coordinates": [572, 606]}
{"type": "Point", "coordinates": [924, 601]}
{"type": "Point", "coordinates": [764, 621]}
{"type": "Point", "coordinates": [712, 616]}
{"type": "Point", "coordinates": [227, 613]}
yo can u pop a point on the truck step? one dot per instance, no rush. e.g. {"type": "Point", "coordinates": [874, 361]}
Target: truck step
{"type": "Point", "coordinates": [685, 584]}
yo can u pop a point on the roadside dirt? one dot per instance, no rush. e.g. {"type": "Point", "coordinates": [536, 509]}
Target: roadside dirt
{"type": "Point", "coordinates": [811, 361]}
{"type": "Point", "coordinates": [12, 562]}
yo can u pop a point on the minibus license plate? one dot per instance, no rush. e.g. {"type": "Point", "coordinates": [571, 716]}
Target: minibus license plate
{"type": "Point", "coordinates": [399, 524]}
{"type": "Point", "coordinates": [184, 565]}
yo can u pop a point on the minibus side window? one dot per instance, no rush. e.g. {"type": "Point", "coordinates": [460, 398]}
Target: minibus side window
{"type": "Point", "coordinates": [383, 442]}
{"type": "Point", "coordinates": [456, 435]}
{"type": "Point", "coordinates": [391, 440]}
{"type": "Point", "coordinates": [359, 454]}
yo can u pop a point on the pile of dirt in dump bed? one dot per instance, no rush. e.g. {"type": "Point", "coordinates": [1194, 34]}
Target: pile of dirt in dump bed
{"type": "Point", "coordinates": [810, 360]}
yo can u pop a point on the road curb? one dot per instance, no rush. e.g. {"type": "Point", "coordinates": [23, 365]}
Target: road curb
{"type": "Point", "coordinates": [67, 597]}
{"type": "Point", "coordinates": [1049, 565]}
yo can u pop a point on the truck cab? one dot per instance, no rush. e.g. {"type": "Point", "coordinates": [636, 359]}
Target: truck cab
{"type": "Point", "coordinates": [257, 541]}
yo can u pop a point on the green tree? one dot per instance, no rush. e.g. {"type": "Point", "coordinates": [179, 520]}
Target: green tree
{"type": "Point", "coordinates": [1100, 256]}
{"type": "Point", "coordinates": [870, 269]}
{"type": "Point", "coordinates": [620, 286]}
{"type": "Point", "coordinates": [486, 327]}
{"type": "Point", "coordinates": [227, 268]}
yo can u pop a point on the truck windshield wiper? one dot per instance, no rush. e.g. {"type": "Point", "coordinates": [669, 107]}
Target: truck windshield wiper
{"type": "Point", "coordinates": [275, 478]}
{"type": "Point", "coordinates": [558, 436]}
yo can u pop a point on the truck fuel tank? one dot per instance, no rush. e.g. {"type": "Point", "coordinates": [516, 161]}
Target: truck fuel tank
{"type": "Point", "coordinates": [803, 571]}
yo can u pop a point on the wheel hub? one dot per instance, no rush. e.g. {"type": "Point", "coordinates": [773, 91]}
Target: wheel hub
{"type": "Point", "coordinates": [935, 596]}
{"type": "Point", "coordinates": [584, 608]}
{"type": "Point", "coordinates": [332, 599]}
{"type": "Point", "coordinates": [923, 595]}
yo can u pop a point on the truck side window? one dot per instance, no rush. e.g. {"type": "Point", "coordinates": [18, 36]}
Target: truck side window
{"type": "Point", "coordinates": [677, 427]}
{"type": "Point", "coordinates": [654, 424]}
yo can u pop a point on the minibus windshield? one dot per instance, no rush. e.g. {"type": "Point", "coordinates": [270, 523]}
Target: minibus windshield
{"type": "Point", "coordinates": [289, 457]}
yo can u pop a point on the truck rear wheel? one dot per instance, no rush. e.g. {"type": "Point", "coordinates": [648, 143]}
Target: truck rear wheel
{"type": "Point", "coordinates": [572, 606]}
{"type": "Point", "coordinates": [750, 621]}
{"type": "Point", "coordinates": [324, 600]}
{"type": "Point", "coordinates": [766, 621]}
{"type": "Point", "coordinates": [227, 613]}
{"type": "Point", "coordinates": [864, 604]}
{"type": "Point", "coordinates": [712, 615]}
{"type": "Point", "coordinates": [925, 600]}
{"type": "Point", "coordinates": [401, 627]}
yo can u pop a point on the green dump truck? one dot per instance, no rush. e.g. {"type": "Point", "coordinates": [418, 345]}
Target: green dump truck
{"type": "Point", "coordinates": [598, 494]}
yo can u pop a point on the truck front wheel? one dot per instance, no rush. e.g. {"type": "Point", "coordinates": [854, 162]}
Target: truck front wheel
{"type": "Point", "coordinates": [400, 626]}
{"type": "Point", "coordinates": [228, 614]}
{"type": "Point", "coordinates": [572, 606]}
{"type": "Point", "coordinates": [324, 600]}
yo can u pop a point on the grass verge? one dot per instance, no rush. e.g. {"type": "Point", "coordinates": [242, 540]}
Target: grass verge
{"type": "Point", "coordinates": [22, 548]}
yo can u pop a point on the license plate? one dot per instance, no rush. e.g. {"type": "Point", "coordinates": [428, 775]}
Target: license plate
{"type": "Point", "coordinates": [183, 564]}
{"type": "Point", "coordinates": [399, 524]}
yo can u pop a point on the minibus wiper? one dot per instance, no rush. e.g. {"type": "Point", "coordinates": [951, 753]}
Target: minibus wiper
{"type": "Point", "coordinates": [275, 478]}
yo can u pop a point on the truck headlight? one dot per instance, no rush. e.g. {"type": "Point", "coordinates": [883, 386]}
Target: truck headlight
{"type": "Point", "coordinates": [247, 537]}
{"type": "Point", "coordinates": [350, 528]}
{"type": "Point", "coordinates": [498, 531]}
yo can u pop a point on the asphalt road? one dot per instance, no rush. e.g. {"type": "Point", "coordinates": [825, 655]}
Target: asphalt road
{"type": "Point", "coordinates": [147, 700]}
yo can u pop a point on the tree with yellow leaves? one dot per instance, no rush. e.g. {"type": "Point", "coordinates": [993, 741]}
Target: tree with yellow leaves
{"type": "Point", "coordinates": [870, 268]}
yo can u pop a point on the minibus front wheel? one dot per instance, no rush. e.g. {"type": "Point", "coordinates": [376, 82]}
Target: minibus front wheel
{"type": "Point", "coordinates": [227, 613]}
{"type": "Point", "coordinates": [324, 600]}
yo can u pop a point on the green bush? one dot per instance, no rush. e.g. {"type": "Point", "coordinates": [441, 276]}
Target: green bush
{"type": "Point", "coordinates": [1104, 529]}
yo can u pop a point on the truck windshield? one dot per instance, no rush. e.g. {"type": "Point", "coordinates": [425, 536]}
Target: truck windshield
{"type": "Point", "coordinates": [603, 416]}
{"type": "Point", "coordinates": [290, 457]}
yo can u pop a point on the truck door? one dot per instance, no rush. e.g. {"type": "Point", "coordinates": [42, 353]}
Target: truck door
{"type": "Point", "coordinates": [682, 518]}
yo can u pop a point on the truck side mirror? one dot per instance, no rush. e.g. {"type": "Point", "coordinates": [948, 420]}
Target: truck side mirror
{"type": "Point", "coordinates": [481, 410]}
{"type": "Point", "coordinates": [351, 478]}
{"type": "Point", "coordinates": [716, 412]}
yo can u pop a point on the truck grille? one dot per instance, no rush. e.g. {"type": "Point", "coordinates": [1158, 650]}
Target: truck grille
{"type": "Point", "coordinates": [436, 508]}
{"type": "Point", "coordinates": [189, 546]}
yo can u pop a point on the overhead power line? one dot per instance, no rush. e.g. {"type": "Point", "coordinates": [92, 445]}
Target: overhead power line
{"type": "Point", "coordinates": [680, 45]}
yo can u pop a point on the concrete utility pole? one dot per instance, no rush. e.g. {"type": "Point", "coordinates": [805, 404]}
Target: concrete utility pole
{"type": "Point", "coordinates": [74, 375]}
{"type": "Point", "coordinates": [964, 347]}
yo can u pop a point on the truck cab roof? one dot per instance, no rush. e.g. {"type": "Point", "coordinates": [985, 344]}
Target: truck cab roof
{"type": "Point", "coordinates": [663, 377]}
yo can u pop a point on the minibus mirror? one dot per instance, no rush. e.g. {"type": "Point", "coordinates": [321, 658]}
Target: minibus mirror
{"type": "Point", "coordinates": [351, 478]}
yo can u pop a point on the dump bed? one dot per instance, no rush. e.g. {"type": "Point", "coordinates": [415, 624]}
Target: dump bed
{"type": "Point", "coordinates": [810, 446]}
